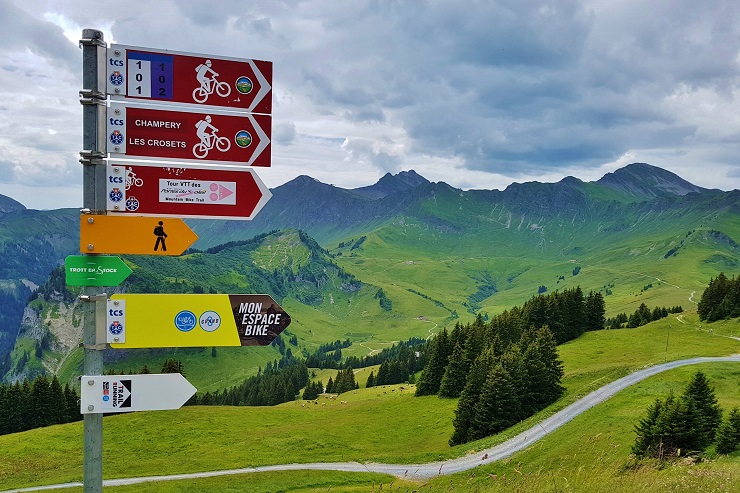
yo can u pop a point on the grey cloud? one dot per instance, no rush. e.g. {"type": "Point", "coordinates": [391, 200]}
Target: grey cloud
{"type": "Point", "coordinates": [284, 133]}
{"type": "Point", "coordinates": [508, 86]}
{"type": "Point", "coordinates": [254, 24]}
{"type": "Point", "coordinates": [20, 31]}
{"type": "Point", "coordinates": [365, 150]}
{"type": "Point", "coordinates": [365, 115]}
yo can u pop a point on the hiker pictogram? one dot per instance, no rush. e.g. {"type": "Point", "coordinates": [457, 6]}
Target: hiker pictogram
{"type": "Point", "coordinates": [161, 235]}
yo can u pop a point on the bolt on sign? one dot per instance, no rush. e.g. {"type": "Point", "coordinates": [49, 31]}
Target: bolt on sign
{"type": "Point", "coordinates": [193, 320]}
{"type": "Point", "coordinates": [156, 75]}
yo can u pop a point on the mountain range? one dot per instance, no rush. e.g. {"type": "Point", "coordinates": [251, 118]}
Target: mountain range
{"type": "Point", "coordinates": [431, 253]}
{"type": "Point", "coordinates": [329, 213]}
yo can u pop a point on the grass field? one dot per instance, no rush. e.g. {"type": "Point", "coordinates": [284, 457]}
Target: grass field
{"type": "Point", "coordinates": [390, 425]}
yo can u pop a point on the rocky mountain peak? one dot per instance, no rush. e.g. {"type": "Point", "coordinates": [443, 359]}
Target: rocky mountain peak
{"type": "Point", "coordinates": [644, 180]}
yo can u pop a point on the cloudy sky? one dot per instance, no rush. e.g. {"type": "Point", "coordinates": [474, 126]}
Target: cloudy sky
{"type": "Point", "coordinates": [478, 94]}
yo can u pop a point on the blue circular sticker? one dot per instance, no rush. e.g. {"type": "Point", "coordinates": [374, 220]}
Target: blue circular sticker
{"type": "Point", "coordinates": [210, 321]}
{"type": "Point", "coordinates": [185, 321]}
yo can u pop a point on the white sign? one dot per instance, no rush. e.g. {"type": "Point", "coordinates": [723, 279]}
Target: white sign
{"type": "Point", "coordinates": [200, 191]}
{"type": "Point", "coordinates": [127, 393]}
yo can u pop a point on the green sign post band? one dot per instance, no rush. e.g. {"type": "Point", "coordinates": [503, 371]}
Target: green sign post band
{"type": "Point", "coordinates": [95, 270]}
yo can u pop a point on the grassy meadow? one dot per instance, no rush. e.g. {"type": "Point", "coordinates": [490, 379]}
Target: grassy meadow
{"type": "Point", "coordinates": [435, 279]}
{"type": "Point", "coordinates": [389, 425]}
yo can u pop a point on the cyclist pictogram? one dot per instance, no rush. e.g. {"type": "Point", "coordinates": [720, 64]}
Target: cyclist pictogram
{"type": "Point", "coordinates": [132, 179]}
{"type": "Point", "coordinates": [208, 139]}
{"type": "Point", "coordinates": [208, 83]}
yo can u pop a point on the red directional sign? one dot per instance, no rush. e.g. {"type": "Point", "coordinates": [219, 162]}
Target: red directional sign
{"type": "Point", "coordinates": [140, 131]}
{"type": "Point", "coordinates": [184, 191]}
{"type": "Point", "coordinates": [170, 76]}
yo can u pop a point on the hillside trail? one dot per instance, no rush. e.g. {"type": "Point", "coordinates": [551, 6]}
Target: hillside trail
{"type": "Point", "coordinates": [439, 468]}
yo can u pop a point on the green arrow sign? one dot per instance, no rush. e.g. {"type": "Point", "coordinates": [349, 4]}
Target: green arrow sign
{"type": "Point", "coordinates": [95, 270]}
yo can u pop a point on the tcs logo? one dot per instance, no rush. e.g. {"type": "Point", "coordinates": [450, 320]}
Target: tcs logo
{"type": "Point", "coordinates": [115, 312]}
{"type": "Point", "coordinates": [115, 179]}
{"type": "Point", "coordinates": [116, 63]}
{"type": "Point", "coordinates": [115, 121]}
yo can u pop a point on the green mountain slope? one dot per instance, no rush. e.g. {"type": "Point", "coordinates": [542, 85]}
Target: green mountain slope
{"type": "Point", "coordinates": [32, 244]}
{"type": "Point", "coordinates": [488, 250]}
{"type": "Point", "coordinates": [639, 235]}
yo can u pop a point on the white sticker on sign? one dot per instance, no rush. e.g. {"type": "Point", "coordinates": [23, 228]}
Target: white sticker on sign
{"type": "Point", "coordinates": [140, 78]}
{"type": "Point", "coordinates": [197, 191]}
{"type": "Point", "coordinates": [116, 394]}
{"type": "Point", "coordinates": [116, 321]}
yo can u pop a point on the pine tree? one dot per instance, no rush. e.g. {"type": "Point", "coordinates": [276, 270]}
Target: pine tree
{"type": "Point", "coordinates": [728, 433]}
{"type": "Point", "coordinates": [289, 394]}
{"type": "Point", "coordinates": [173, 366]}
{"type": "Point", "coordinates": [595, 311]}
{"type": "Point", "coordinates": [543, 368]}
{"type": "Point", "coordinates": [344, 382]}
{"type": "Point", "coordinates": [680, 424]}
{"type": "Point", "coordinates": [734, 419]}
{"type": "Point", "coordinates": [478, 337]}
{"type": "Point", "coordinates": [574, 312]}
{"type": "Point", "coordinates": [312, 391]}
{"type": "Point", "coordinates": [708, 409]}
{"type": "Point", "coordinates": [59, 402]}
{"type": "Point", "coordinates": [496, 407]}
{"type": "Point", "coordinates": [41, 403]}
{"type": "Point", "coordinates": [4, 409]}
{"type": "Point", "coordinates": [11, 412]}
{"type": "Point", "coordinates": [469, 397]}
{"type": "Point", "coordinates": [383, 374]}
{"type": "Point", "coordinates": [72, 404]}
{"type": "Point", "coordinates": [513, 362]}
{"type": "Point", "coordinates": [370, 381]}
{"type": "Point", "coordinates": [26, 412]}
{"type": "Point", "coordinates": [712, 298]}
{"type": "Point", "coordinates": [434, 370]}
{"type": "Point", "coordinates": [648, 442]}
{"type": "Point", "coordinates": [454, 377]}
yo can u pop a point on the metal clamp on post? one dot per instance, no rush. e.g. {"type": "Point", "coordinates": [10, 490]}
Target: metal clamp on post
{"type": "Point", "coordinates": [92, 157]}
{"type": "Point", "coordinates": [92, 42]}
{"type": "Point", "coordinates": [100, 320]}
{"type": "Point", "coordinates": [92, 96]}
{"type": "Point", "coordinates": [94, 347]}
{"type": "Point", "coordinates": [95, 297]}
